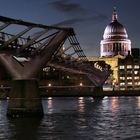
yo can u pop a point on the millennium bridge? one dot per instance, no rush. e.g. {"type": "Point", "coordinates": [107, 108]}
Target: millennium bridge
{"type": "Point", "coordinates": [26, 48]}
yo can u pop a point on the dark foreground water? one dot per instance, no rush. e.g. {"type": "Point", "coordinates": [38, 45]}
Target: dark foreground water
{"type": "Point", "coordinates": [113, 118]}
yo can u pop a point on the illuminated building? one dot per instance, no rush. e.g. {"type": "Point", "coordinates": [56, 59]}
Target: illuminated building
{"type": "Point", "coordinates": [115, 39]}
{"type": "Point", "coordinates": [115, 50]}
{"type": "Point", "coordinates": [114, 46]}
{"type": "Point", "coordinates": [129, 72]}
{"type": "Point", "coordinates": [113, 62]}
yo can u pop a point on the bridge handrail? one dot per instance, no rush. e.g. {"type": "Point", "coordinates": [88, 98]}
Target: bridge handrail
{"type": "Point", "coordinates": [76, 86]}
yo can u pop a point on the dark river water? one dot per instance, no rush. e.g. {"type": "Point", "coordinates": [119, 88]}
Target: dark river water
{"type": "Point", "coordinates": [76, 118]}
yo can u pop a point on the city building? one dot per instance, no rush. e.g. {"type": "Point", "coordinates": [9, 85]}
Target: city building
{"type": "Point", "coordinates": [114, 46]}
{"type": "Point", "coordinates": [115, 39]}
{"type": "Point", "coordinates": [115, 50]}
{"type": "Point", "coordinates": [113, 62]}
{"type": "Point", "coordinates": [129, 71]}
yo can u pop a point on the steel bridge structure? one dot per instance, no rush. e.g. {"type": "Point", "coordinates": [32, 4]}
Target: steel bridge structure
{"type": "Point", "coordinates": [26, 48]}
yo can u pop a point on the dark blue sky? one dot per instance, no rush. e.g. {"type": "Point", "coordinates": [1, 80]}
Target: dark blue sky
{"type": "Point", "coordinates": [88, 17]}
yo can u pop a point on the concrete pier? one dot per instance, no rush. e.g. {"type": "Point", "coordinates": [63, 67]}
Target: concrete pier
{"type": "Point", "coordinates": [24, 99]}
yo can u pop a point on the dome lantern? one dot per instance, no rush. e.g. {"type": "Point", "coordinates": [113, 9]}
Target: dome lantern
{"type": "Point", "coordinates": [114, 15]}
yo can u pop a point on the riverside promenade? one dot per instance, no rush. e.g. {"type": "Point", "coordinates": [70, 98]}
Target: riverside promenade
{"type": "Point", "coordinates": [85, 91]}
{"type": "Point", "coordinates": [74, 91]}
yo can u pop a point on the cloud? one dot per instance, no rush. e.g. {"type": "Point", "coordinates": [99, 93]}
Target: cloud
{"type": "Point", "coordinates": [75, 12]}
{"type": "Point", "coordinates": [98, 18]}
{"type": "Point", "coordinates": [70, 22]}
{"type": "Point", "coordinates": [67, 7]}
{"type": "Point", "coordinates": [73, 21]}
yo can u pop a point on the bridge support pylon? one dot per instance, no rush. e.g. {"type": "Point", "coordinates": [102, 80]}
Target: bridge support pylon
{"type": "Point", "coordinates": [25, 99]}
{"type": "Point", "coordinates": [98, 92]}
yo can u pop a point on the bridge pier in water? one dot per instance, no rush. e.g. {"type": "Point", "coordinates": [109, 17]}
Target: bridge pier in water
{"type": "Point", "coordinates": [25, 99]}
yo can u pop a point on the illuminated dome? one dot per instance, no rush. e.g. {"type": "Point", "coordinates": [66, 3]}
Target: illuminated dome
{"type": "Point", "coordinates": [115, 30]}
{"type": "Point", "coordinates": [115, 39]}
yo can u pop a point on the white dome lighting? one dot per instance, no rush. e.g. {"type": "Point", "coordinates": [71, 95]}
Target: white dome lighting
{"type": "Point", "coordinates": [115, 39]}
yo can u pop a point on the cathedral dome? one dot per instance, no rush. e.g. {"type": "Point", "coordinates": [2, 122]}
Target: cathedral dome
{"type": "Point", "coordinates": [115, 30]}
{"type": "Point", "coordinates": [115, 39]}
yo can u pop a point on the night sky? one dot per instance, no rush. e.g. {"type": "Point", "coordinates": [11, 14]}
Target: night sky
{"type": "Point", "coordinates": [88, 17]}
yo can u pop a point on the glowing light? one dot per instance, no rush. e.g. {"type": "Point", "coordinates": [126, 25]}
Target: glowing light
{"type": "Point", "coordinates": [122, 67]}
{"type": "Point", "coordinates": [97, 66]}
{"type": "Point", "coordinates": [49, 84]}
{"type": "Point", "coordinates": [81, 104]}
{"type": "Point", "coordinates": [81, 84]}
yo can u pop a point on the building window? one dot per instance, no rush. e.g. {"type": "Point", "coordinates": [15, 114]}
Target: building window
{"type": "Point", "coordinates": [128, 78]}
{"type": "Point", "coordinates": [129, 72]}
{"type": "Point", "coordinates": [129, 83]}
{"type": "Point", "coordinates": [136, 72]}
{"type": "Point", "coordinates": [122, 78]}
{"type": "Point", "coordinates": [136, 77]}
{"type": "Point", "coordinates": [121, 67]}
{"type": "Point", "coordinates": [137, 83]}
{"type": "Point", "coordinates": [129, 66]}
{"type": "Point", "coordinates": [122, 88]}
{"type": "Point", "coordinates": [122, 84]}
{"type": "Point", "coordinates": [136, 67]}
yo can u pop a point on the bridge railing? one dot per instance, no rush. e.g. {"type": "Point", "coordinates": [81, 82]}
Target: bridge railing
{"type": "Point", "coordinates": [16, 43]}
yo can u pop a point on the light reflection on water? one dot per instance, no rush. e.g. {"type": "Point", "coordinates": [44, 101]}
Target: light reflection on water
{"type": "Point", "coordinates": [114, 104]}
{"type": "Point", "coordinates": [81, 104]}
{"type": "Point", "coordinates": [138, 98]}
{"type": "Point", "coordinates": [77, 118]}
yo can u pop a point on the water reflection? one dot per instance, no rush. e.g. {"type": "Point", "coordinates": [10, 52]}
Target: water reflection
{"type": "Point", "coordinates": [50, 105]}
{"type": "Point", "coordinates": [81, 104]}
{"type": "Point", "coordinates": [114, 104]}
{"type": "Point", "coordinates": [73, 118]}
{"type": "Point", "coordinates": [23, 128]}
{"type": "Point", "coordinates": [138, 102]}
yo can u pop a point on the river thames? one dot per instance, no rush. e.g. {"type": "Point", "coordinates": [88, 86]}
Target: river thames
{"type": "Point", "coordinates": [76, 118]}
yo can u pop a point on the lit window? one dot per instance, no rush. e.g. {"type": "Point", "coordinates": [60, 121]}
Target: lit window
{"type": "Point", "coordinates": [129, 66]}
{"type": "Point", "coordinates": [122, 88]}
{"type": "Point", "coordinates": [128, 78]}
{"type": "Point", "coordinates": [136, 67]}
{"type": "Point", "coordinates": [137, 83]}
{"type": "Point", "coordinates": [136, 77]}
{"type": "Point", "coordinates": [121, 67]}
{"type": "Point", "coordinates": [68, 77]}
{"type": "Point", "coordinates": [136, 72]}
{"type": "Point", "coordinates": [121, 84]}
{"type": "Point", "coordinates": [129, 83]}
{"type": "Point", "coordinates": [122, 78]}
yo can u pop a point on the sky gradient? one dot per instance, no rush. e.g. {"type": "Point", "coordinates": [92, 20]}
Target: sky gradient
{"type": "Point", "coordinates": [88, 17]}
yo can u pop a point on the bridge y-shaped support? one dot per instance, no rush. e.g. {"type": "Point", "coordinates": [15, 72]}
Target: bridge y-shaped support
{"type": "Point", "coordinates": [24, 97]}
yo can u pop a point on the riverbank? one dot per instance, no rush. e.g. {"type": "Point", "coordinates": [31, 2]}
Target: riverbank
{"type": "Point", "coordinates": [85, 92]}
{"type": "Point", "coordinates": [77, 92]}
